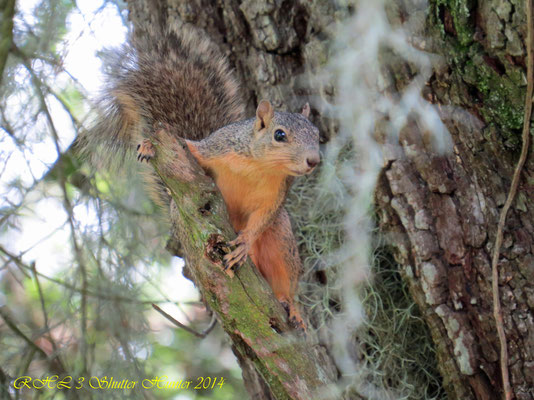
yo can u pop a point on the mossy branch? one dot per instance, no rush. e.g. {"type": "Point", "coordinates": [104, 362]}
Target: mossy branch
{"type": "Point", "coordinates": [291, 366]}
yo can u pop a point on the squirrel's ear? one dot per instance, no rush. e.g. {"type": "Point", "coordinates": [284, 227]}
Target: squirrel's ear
{"type": "Point", "coordinates": [306, 110]}
{"type": "Point", "coordinates": [264, 114]}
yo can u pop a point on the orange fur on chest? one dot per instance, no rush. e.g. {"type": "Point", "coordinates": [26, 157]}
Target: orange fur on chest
{"type": "Point", "coordinates": [252, 191]}
{"type": "Point", "coordinates": [245, 185]}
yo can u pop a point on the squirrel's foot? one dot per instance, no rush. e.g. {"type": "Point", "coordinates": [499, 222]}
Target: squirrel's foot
{"type": "Point", "coordinates": [237, 256]}
{"type": "Point", "coordinates": [295, 320]}
{"type": "Point", "coordinates": [145, 151]}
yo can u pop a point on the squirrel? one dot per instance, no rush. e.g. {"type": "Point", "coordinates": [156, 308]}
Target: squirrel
{"type": "Point", "coordinates": [185, 83]}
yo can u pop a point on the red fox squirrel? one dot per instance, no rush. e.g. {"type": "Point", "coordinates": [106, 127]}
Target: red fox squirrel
{"type": "Point", "coordinates": [183, 81]}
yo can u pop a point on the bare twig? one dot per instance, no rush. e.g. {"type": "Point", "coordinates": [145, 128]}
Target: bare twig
{"type": "Point", "coordinates": [185, 327]}
{"type": "Point", "coordinates": [497, 311]}
{"type": "Point", "coordinates": [210, 327]}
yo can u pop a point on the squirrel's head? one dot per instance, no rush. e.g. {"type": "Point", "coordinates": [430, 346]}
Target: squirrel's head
{"type": "Point", "coordinates": [286, 140]}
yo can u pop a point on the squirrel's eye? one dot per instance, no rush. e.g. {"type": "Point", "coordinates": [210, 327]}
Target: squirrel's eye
{"type": "Point", "coordinates": [280, 136]}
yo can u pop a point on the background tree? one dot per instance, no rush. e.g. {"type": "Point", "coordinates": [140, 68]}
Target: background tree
{"type": "Point", "coordinates": [446, 208]}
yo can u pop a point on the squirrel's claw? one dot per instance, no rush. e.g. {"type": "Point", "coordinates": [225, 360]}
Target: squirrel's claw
{"type": "Point", "coordinates": [145, 151]}
{"type": "Point", "coordinates": [237, 241]}
{"type": "Point", "coordinates": [237, 256]}
{"type": "Point", "coordinates": [293, 316]}
{"type": "Point", "coordinates": [297, 323]}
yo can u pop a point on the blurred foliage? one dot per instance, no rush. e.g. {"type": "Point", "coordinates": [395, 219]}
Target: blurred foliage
{"type": "Point", "coordinates": [82, 252]}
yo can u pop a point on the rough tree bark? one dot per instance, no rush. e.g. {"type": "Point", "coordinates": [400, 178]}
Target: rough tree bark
{"type": "Point", "coordinates": [440, 211]}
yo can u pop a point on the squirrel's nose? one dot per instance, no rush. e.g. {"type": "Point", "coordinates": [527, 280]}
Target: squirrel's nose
{"type": "Point", "coordinates": [312, 161]}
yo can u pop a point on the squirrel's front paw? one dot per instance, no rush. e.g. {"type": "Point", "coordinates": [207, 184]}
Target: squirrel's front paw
{"type": "Point", "coordinates": [145, 151]}
{"type": "Point", "coordinates": [238, 256]}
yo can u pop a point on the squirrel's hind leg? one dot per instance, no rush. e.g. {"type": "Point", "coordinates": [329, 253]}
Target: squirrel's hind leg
{"type": "Point", "coordinates": [276, 256]}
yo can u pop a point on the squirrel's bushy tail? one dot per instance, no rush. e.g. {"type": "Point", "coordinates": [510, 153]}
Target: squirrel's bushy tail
{"type": "Point", "coordinates": [178, 78]}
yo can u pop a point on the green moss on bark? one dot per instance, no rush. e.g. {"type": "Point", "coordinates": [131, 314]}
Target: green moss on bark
{"type": "Point", "coordinates": [502, 99]}
{"type": "Point", "coordinates": [495, 85]}
{"type": "Point", "coordinates": [461, 13]}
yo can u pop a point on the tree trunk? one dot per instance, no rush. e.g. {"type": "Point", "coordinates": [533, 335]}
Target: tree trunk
{"type": "Point", "coordinates": [443, 211]}
{"type": "Point", "coordinates": [275, 364]}
{"type": "Point", "coordinates": [440, 211]}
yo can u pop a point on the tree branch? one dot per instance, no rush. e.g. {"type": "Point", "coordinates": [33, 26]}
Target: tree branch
{"type": "Point", "coordinates": [244, 304]}
{"type": "Point", "coordinates": [185, 327]}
